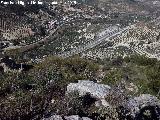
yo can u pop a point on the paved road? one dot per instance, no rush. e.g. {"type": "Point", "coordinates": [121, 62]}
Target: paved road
{"type": "Point", "coordinates": [48, 38]}
{"type": "Point", "coordinates": [98, 41]}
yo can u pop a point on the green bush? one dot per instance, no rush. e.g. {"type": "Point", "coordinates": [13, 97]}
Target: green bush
{"type": "Point", "coordinates": [154, 85]}
{"type": "Point", "coordinates": [140, 60]}
{"type": "Point", "coordinates": [112, 77]}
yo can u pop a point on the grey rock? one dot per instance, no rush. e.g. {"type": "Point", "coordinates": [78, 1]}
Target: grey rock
{"type": "Point", "coordinates": [72, 117]}
{"type": "Point", "coordinates": [134, 105]}
{"type": "Point", "coordinates": [85, 86]}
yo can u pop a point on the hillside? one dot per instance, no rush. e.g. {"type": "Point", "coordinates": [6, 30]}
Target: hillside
{"type": "Point", "coordinates": [84, 60]}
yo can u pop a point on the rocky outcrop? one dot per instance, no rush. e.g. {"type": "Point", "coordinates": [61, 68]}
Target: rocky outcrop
{"type": "Point", "coordinates": [144, 106]}
{"type": "Point", "coordinates": [85, 86]}
{"type": "Point", "coordinates": [132, 107]}
{"type": "Point", "coordinates": [138, 105]}
{"type": "Point", "coordinates": [98, 91]}
{"type": "Point", "coordinates": [72, 117]}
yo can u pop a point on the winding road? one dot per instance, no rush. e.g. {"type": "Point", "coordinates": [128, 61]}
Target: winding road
{"type": "Point", "coordinates": [49, 37]}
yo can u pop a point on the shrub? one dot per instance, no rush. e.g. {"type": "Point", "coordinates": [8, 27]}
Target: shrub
{"type": "Point", "coordinates": [140, 60]}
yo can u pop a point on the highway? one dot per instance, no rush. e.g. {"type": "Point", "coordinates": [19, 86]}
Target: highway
{"type": "Point", "coordinates": [98, 41]}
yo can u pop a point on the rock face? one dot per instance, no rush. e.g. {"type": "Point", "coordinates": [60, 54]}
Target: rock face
{"type": "Point", "coordinates": [72, 117]}
{"type": "Point", "coordinates": [138, 105]}
{"type": "Point", "coordinates": [98, 91]}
